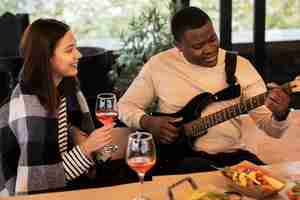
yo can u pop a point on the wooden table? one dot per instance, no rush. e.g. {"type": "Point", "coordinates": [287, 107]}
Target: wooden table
{"type": "Point", "coordinates": [157, 188]}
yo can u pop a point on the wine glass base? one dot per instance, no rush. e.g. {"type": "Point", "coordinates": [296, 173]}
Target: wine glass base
{"type": "Point", "coordinates": [141, 198]}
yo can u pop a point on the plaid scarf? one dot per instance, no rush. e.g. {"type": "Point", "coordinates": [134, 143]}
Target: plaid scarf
{"type": "Point", "coordinates": [30, 158]}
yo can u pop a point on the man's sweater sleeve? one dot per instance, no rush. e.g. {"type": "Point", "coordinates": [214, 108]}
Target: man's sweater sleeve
{"type": "Point", "coordinates": [137, 98]}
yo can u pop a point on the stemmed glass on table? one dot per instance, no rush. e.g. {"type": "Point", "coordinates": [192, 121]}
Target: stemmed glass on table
{"type": "Point", "coordinates": [141, 156]}
{"type": "Point", "coordinates": [106, 112]}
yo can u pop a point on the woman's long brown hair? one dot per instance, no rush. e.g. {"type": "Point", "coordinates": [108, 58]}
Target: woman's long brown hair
{"type": "Point", "coordinates": [37, 47]}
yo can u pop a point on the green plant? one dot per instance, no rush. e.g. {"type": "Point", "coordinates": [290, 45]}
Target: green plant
{"type": "Point", "coordinates": [147, 35]}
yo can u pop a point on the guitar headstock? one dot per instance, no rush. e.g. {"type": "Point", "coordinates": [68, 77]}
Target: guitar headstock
{"type": "Point", "coordinates": [294, 86]}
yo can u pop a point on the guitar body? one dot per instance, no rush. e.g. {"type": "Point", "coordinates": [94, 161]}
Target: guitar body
{"type": "Point", "coordinates": [188, 113]}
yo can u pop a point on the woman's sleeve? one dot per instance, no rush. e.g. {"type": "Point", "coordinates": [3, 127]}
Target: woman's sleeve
{"type": "Point", "coordinates": [75, 163]}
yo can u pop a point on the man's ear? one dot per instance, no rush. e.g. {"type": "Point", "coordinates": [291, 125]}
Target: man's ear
{"type": "Point", "coordinates": [178, 45]}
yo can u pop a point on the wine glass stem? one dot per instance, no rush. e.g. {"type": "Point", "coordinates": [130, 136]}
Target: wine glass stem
{"type": "Point", "coordinates": [141, 178]}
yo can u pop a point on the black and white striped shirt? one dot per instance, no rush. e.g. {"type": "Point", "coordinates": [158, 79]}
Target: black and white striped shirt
{"type": "Point", "coordinates": [75, 163]}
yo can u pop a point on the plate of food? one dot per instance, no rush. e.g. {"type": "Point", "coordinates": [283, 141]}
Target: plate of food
{"type": "Point", "coordinates": [294, 192]}
{"type": "Point", "coordinates": [252, 180]}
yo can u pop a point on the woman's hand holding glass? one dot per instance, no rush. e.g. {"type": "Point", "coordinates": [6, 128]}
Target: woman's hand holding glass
{"type": "Point", "coordinates": [97, 140]}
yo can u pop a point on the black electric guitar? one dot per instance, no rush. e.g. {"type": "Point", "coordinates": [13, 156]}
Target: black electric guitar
{"type": "Point", "coordinates": [192, 125]}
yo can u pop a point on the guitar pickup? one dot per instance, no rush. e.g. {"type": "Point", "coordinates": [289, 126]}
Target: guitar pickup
{"type": "Point", "coordinates": [176, 122]}
{"type": "Point", "coordinates": [179, 119]}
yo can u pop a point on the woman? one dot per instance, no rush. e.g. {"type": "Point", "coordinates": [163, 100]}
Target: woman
{"type": "Point", "coordinates": [44, 148]}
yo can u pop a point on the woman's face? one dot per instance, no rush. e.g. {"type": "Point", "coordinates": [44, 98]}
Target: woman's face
{"type": "Point", "coordinates": [65, 57]}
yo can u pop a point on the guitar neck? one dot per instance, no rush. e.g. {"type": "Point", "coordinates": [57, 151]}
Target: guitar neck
{"type": "Point", "coordinates": [198, 126]}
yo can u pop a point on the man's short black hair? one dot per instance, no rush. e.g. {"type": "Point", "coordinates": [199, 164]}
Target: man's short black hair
{"type": "Point", "coordinates": [186, 19]}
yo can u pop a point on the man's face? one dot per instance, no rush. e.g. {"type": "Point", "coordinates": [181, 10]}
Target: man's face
{"type": "Point", "coordinates": [200, 46]}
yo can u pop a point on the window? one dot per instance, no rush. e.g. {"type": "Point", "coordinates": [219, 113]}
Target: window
{"type": "Point", "coordinates": [95, 22]}
{"type": "Point", "coordinates": [8, 5]}
{"type": "Point", "coordinates": [283, 20]}
{"type": "Point", "coordinates": [212, 8]}
{"type": "Point", "coordinates": [242, 21]}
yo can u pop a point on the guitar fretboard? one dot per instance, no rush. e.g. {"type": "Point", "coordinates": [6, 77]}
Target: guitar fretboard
{"type": "Point", "coordinates": [197, 127]}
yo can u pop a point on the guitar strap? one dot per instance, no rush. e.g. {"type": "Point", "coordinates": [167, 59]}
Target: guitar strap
{"type": "Point", "coordinates": [233, 90]}
{"type": "Point", "coordinates": [230, 66]}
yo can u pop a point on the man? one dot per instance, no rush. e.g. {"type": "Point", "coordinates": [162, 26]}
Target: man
{"type": "Point", "coordinates": [197, 65]}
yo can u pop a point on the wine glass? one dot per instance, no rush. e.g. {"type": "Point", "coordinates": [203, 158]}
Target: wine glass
{"type": "Point", "coordinates": [106, 108]}
{"type": "Point", "coordinates": [106, 112]}
{"type": "Point", "coordinates": [141, 156]}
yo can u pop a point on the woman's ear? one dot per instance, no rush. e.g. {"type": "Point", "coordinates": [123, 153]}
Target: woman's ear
{"type": "Point", "coordinates": [51, 60]}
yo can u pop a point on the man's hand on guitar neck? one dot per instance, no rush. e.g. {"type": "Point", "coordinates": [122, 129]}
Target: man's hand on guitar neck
{"type": "Point", "coordinates": [160, 127]}
{"type": "Point", "coordinates": [278, 102]}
